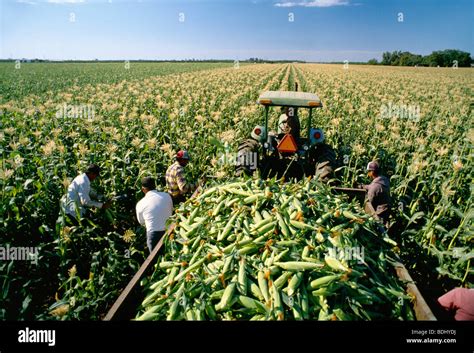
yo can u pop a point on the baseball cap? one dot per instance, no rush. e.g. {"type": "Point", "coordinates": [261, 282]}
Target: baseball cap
{"type": "Point", "coordinates": [183, 154]}
{"type": "Point", "coordinates": [374, 166]}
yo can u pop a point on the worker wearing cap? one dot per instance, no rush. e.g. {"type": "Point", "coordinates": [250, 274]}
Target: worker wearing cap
{"type": "Point", "coordinates": [78, 196]}
{"type": "Point", "coordinates": [378, 192]}
{"type": "Point", "coordinates": [288, 122]}
{"type": "Point", "coordinates": [176, 181]}
{"type": "Point", "coordinates": [153, 211]}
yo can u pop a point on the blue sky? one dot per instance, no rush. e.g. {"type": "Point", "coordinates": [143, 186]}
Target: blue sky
{"type": "Point", "coordinates": [321, 30]}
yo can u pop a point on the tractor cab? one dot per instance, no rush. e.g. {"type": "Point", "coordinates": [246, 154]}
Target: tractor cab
{"type": "Point", "coordinates": [287, 151]}
{"type": "Point", "coordinates": [289, 140]}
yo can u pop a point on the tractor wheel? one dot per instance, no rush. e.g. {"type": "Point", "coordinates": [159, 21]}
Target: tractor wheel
{"type": "Point", "coordinates": [325, 162]}
{"type": "Point", "coordinates": [246, 157]}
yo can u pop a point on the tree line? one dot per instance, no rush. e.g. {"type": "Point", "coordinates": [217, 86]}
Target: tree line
{"type": "Point", "coordinates": [442, 58]}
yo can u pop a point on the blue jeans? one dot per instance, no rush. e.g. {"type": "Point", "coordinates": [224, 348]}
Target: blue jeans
{"type": "Point", "coordinates": [152, 238]}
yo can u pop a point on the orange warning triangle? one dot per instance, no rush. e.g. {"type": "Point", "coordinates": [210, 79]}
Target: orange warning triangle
{"type": "Point", "coordinates": [287, 144]}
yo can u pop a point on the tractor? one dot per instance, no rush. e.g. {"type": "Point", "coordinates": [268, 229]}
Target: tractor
{"type": "Point", "coordinates": [285, 152]}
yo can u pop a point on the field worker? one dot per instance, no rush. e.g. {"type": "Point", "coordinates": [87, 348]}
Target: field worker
{"type": "Point", "coordinates": [378, 192]}
{"type": "Point", "coordinates": [288, 122]}
{"type": "Point", "coordinates": [153, 210]}
{"type": "Point", "coordinates": [78, 196]}
{"type": "Point", "coordinates": [176, 182]}
{"type": "Point", "coordinates": [460, 300]}
{"type": "Point", "coordinates": [282, 121]}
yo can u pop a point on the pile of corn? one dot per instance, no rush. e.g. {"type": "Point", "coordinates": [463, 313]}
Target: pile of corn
{"type": "Point", "coordinates": [259, 250]}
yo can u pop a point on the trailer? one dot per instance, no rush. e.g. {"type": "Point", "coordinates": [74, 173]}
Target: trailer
{"type": "Point", "coordinates": [125, 307]}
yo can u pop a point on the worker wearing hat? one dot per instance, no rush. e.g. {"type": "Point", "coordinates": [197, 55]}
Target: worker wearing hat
{"type": "Point", "coordinates": [288, 122]}
{"type": "Point", "coordinates": [378, 192]}
{"type": "Point", "coordinates": [176, 181]}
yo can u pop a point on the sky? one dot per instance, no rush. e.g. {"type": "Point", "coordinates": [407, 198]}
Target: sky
{"type": "Point", "coordinates": [310, 30]}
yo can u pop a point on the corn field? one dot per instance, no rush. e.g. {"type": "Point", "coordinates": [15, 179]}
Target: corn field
{"type": "Point", "coordinates": [417, 121]}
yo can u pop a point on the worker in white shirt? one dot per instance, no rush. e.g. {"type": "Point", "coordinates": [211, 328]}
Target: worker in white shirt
{"type": "Point", "coordinates": [78, 196]}
{"type": "Point", "coordinates": [153, 211]}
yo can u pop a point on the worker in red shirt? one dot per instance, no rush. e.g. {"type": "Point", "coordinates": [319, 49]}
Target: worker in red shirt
{"type": "Point", "coordinates": [462, 301]}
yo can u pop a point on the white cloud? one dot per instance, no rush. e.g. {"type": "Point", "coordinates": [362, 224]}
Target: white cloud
{"type": "Point", "coordinates": [313, 3]}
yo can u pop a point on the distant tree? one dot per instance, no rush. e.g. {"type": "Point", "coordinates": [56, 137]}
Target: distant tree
{"type": "Point", "coordinates": [430, 60]}
{"type": "Point", "coordinates": [391, 58]}
{"type": "Point", "coordinates": [255, 60]}
{"type": "Point", "coordinates": [386, 58]}
{"type": "Point", "coordinates": [409, 59]}
{"type": "Point", "coordinates": [372, 62]}
{"type": "Point", "coordinates": [446, 58]}
{"type": "Point", "coordinates": [443, 58]}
